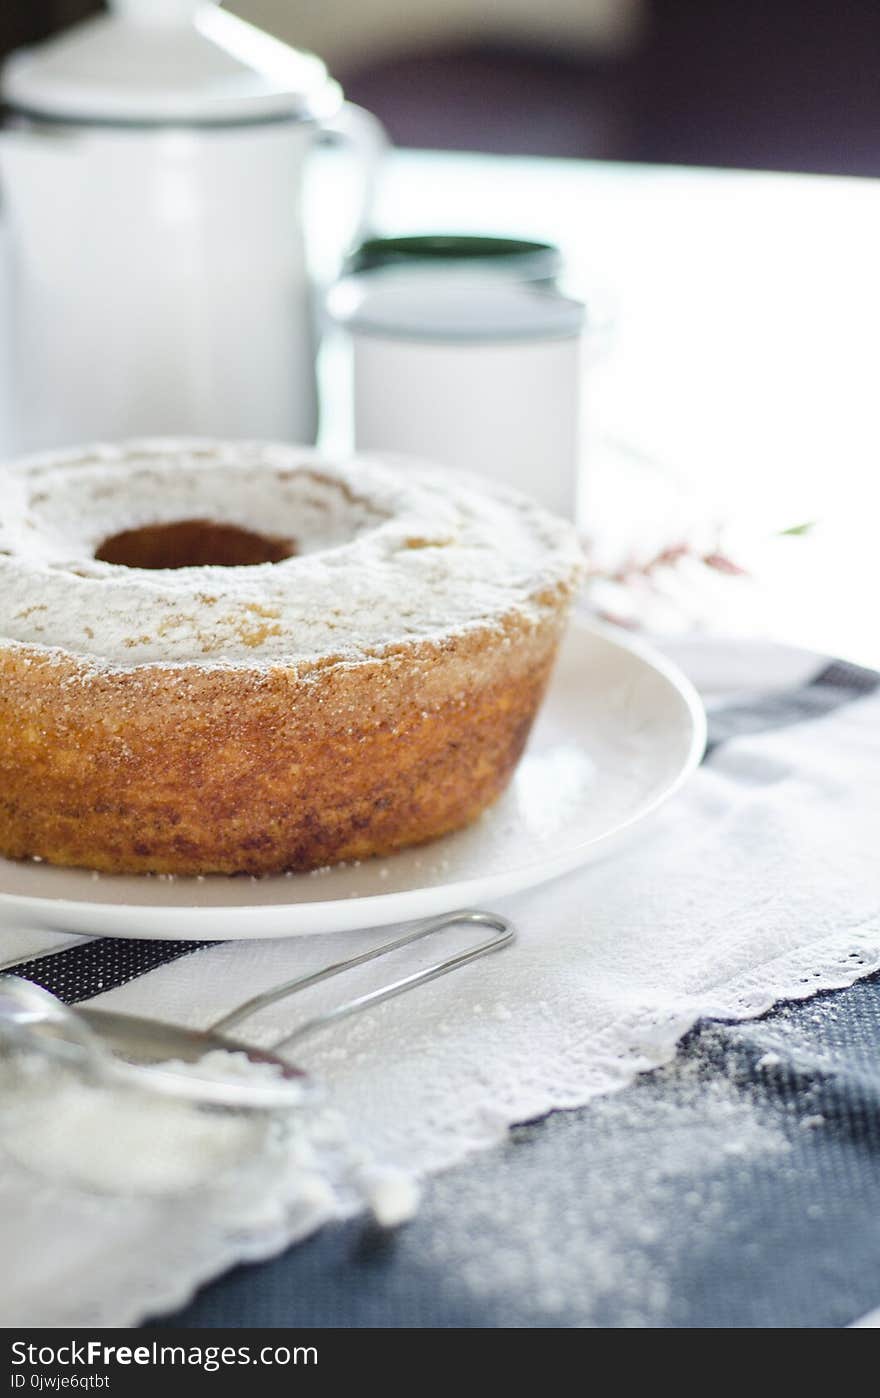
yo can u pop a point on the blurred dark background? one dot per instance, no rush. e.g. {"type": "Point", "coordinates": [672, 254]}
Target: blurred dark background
{"type": "Point", "coordinates": [767, 84]}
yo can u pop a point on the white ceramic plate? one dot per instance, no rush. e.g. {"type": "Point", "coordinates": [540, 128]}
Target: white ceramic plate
{"type": "Point", "coordinates": [619, 732]}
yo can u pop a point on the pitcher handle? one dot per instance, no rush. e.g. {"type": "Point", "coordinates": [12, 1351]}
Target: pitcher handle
{"type": "Point", "coordinates": [368, 140]}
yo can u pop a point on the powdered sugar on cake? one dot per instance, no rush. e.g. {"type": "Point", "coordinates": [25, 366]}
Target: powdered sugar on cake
{"type": "Point", "coordinates": [386, 552]}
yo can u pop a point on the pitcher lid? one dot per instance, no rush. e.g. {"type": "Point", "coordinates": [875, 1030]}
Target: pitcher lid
{"type": "Point", "coordinates": [174, 61]}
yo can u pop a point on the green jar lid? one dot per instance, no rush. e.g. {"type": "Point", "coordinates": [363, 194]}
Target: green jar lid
{"type": "Point", "coordinates": [512, 257]}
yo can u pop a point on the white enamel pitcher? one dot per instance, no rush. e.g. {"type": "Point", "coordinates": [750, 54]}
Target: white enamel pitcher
{"type": "Point", "coordinates": [154, 228]}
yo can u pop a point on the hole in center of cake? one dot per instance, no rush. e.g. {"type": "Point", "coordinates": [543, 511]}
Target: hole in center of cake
{"type": "Point", "coordinates": [193, 543]}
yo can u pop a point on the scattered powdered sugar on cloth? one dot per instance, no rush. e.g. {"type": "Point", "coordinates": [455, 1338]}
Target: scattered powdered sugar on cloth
{"type": "Point", "coordinates": [140, 1195]}
{"type": "Point", "coordinates": [653, 1157]}
{"type": "Point", "coordinates": [756, 884]}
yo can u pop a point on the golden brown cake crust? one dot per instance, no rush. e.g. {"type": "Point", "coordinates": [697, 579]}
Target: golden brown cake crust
{"type": "Point", "coordinates": [191, 770]}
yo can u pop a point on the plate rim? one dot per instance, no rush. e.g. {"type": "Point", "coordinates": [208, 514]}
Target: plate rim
{"type": "Point", "coordinates": [382, 909]}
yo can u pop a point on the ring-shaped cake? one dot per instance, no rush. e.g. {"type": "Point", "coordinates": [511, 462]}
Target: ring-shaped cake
{"type": "Point", "coordinates": [246, 658]}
